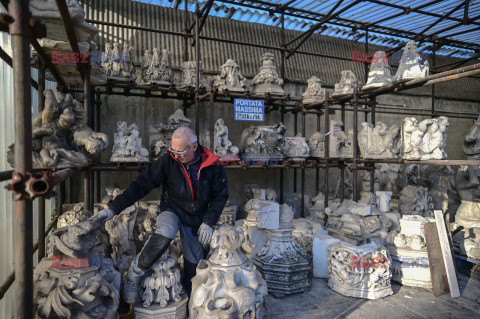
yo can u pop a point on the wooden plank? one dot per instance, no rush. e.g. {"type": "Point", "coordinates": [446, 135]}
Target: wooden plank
{"type": "Point", "coordinates": [447, 254]}
{"type": "Point", "coordinates": [438, 274]}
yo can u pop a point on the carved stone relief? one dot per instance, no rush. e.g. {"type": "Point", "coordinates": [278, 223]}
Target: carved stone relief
{"type": "Point", "coordinates": [425, 140]}
{"type": "Point", "coordinates": [222, 146]}
{"type": "Point", "coordinates": [379, 74]}
{"type": "Point", "coordinates": [471, 145]}
{"type": "Point", "coordinates": [157, 69]}
{"type": "Point", "coordinates": [314, 93]}
{"type": "Point", "coordinates": [379, 141]}
{"type": "Point", "coordinates": [263, 143]}
{"type": "Point", "coordinates": [346, 85]}
{"type": "Point", "coordinates": [414, 200]}
{"type": "Point", "coordinates": [411, 66]}
{"type": "Point", "coordinates": [117, 61]}
{"type": "Point", "coordinates": [296, 148]}
{"type": "Point", "coordinates": [161, 134]}
{"type": "Point", "coordinates": [189, 75]}
{"type": "Point", "coordinates": [340, 144]}
{"type": "Point", "coordinates": [316, 142]}
{"type": "Point", "coordinates": [230, 78]}
{"type": "Point", "coordinates": [128, 144]}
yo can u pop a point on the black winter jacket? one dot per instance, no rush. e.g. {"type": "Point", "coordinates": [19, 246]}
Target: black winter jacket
{"type": "Point", "coordinates": [177, 193]}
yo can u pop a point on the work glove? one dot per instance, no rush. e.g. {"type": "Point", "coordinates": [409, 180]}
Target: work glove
{"type": "Point", "coordinates": [205, 233]}
{"type": "Point", "coordinates": [103, 215]}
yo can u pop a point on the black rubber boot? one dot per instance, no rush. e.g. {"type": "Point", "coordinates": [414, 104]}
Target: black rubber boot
{"type": "Point", "coordinates": [152, 250]}
{"type": "Point", "coordinates": [189, 271]}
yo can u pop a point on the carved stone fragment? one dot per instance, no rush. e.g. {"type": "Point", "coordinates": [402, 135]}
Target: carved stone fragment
{"type": "Point", "coordinates": [379, 74]}
{"type": "Point", "coordinates": [414, 200]}
{"type": "Point", "coordinates": [222, 146]}
{"type": "Point", "coordinates": [230, 78]}
{"type": "Point", "coordinates": [346, 84]}
{"type": "Point", "coordinates": [263, 143]}
{"type": "Point", "coordinates": [296, 148]}
{"type": "Point", "coordinates": [189, 75]}
{"type": "Point", "coordinates": [74, 216]}
{"type": "Point", "coordinates": [379, 141]}
{"type": "Point", "coordinates": [316, 142]}
{"type": "Point", "coordinates": [303, 232]}
{"type": "Point", "coordinates": [411, 66]}
{"type": "Point", "coordinates": [340, 144]}
{"type": "Point", "coordinates": [425, 140]}
{"type": "Point", "coordinates": [267, 81]}
{"type": "Point", "coordinates": [128, 144]}
{"type": "Point", "coordinates": [471, 145]}
{"type": "Point", "coordinates": [314, 93]}
{"type": "Point", "coordinates": [161, 134]}
{"type": "Point", "coordinates": [118, 62]}
{"type": "Point", "coordinates": [157, 69]}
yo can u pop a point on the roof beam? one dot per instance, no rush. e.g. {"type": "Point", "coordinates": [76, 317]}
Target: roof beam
{"type": "Point", "coordinates": [204, 15]}
{"type": "Point", "coordinates": [206, 6]}
{"type": "Point", "coordinates": [405, 11]}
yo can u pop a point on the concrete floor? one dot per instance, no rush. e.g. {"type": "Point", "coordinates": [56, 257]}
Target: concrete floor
{"type": "Point", "coordinates": [406, 302]}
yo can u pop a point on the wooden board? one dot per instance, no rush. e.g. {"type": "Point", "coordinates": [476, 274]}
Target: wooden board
{"type": "Point", "coordinates": [438, 274]}
{"type": "Point", "coordinates": [447, 254]}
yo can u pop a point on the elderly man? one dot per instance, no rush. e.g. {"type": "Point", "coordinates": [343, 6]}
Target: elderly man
{"type": "Point", "coordinates": [194, 193]}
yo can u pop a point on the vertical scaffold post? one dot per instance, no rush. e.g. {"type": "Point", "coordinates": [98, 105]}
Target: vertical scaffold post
{"type": "Point", "coordinates": [342, 167]}
{"type": "Point", "coordinates": [87, 105]}
{"type": "Point", "coordinates": [98, 104]}
{"type": "Point", "coordinates": [295, 131]}
{"type": "Point", "coordinates": [197, 70]}
{"type": "Point", "coordinates": [317, 169]}
{"type": "Point", "coordinates": [302, 205]}
{"type": "Point", "coordinates": [41, 200]}
{"type": "Point", "coordinates": [355, 139]}
{"type": "Point", "coordinates": [327, 145]}
{"type": "Point", "coordinates": [372, 103]}
{"type": "Point", "coordinates": [282, 74]}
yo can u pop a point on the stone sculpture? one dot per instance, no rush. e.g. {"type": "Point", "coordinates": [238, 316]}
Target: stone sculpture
{"type": "Point", "coordinates": [188, 79]}
{"type": "Point", "coordinates": [316, 142]}
{"type": "Point", "coordinates": [222, 146]}
{"type": "Point", "coordinates": [156, 69]}
{"type": "Point", "coordinates": [296, 148]}
{"type": "Point", "coordinates": [74, 216]}
{"type": "Point", "coordinates": [303, 232]}
{"type": "Point", "coordinates": [254, 191]}
{"type": "Point", "coordinates": [340, 144]}
{"type": "Point", "coordinates": [61, 137]}
{"type": "Point", "coordinates": [229, 215]}
{"type": "Point", "coordinates": [314, 93]}
{"type": "Point", "coordinates": [254, 225]}
{"type": "Point", "coordinates": [346, 84]}
{"type": "Point", "coordinates": [359, 271]}
{"type": "Point", "coordinates": [379, 74]}
{"type": "Point", "coordinates": [145, 222]}
{"type": "Point", "coordinates": [75, 281]}
{"type": "Point", "coordinates": [161, 134]}
{"type": "Point", "coordinates": [425, 140]}
{"type": "Point", "coordinates": [317, 211]}
{"type": "Point", "coordinates": [471, 146]}
{"type": "Point", "coordinates": [230, 78]}
{"type": "Point", "coordinates": [263, 143]}
{"type": "Point", "coordinates": [284, 265]}
{"type": "Point", "coordinates": [379, 141]}
{"type": "Point", "coordinates": [227, 285]}
{"type": "Point", "coordinates": [414, 200]}
{"type": "Point", "coordinates": [118, 62]}
{"type": "Point", "coordinates": [267, 81]}
{"type": "Point", "coordinates": [128, 144]}
{"type": "Point", "coordinates": [410, 64]}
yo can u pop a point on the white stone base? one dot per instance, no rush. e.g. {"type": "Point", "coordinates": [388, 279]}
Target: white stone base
{"type": "Point", "coordinates": [174, 310]}
{"type": "Point", "coordinates": [361, 293]}
{"type": "Point", "coordinates": [411, 272]}
{"type": "Point", "coordinates": [321, 242]}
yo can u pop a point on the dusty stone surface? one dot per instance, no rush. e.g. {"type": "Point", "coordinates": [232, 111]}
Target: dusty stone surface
{"type": "Point", "coordinates": [118, 62]}
{"type": "Point", "coordinates": [340, 144]}
{"type": "Point", "coordinates": [188, 77]}
{"type": "Point", "coordinates": [379, 72]}
{"type": "Point", "coordinates": [346, 85]}
{"type": "Point", "coordinates": [230, 78]}
{"type": "Point", "coordinates": [296, 148]}
{"type": "Point", "coordinates": [316, 142]}
{"type": "Point", "coordinates": [263, 143]}
{"type": "Point", "coordinates": [128, 144]}
{"type": "Point", "coordinates": [314, 93]}
{"type": "Point", "coordinates": [74, 216]}
{"type": "Point", "coordinates": [379, 141]}
{"type": "Point", "coordinates": [157, 67]}
{"type": "Point", "coordinates": [411, 66]}
{"type": "Point", "coordinates": [424, 140]}
{"type": "Point", "coordinates": [304, 229]}
{"type": "Point", "coordinates": [414, 200]}
{"type": "Point", "coordinates": [267, 81]}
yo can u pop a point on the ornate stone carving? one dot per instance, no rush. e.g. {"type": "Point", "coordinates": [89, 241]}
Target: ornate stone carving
{"type": "Point", "coordinates": [229, 215]}
{"type": "Point", "coordinates": [316, 142]}
{"type": "Point", "coordinates": [379, 141]}
{"type": "Point", "coordinates": [361, 272]}
{"type": "Point", "coordinates": [222, 146]}
{"type": "Point", "coordinates": [230, 78]}
{"type": "Point", "coordinates": [156, 69]}
{"type": "Point", "coordinates": [254, 227]}
{"type": "Point", "coordinates": [284, 265]}
{"type": "Point", "coordinates": [74, 216]}
{"type": "Point", "coordinates": [425, 140]}
{"type": "Point", "coordinates": [317, 211]}
{"type": "Point", "coordinates": [471, 145]}
{"type": "Point", "coordinates": [414, 200]}
{"type": "Point", "coordinates": [346, 84]}
{"type": "Point", "coordinates": [379, 74]}
{"type": "Point", "coordinates": [296, 148]}
{"type": "Point", "coordinates": [340, 144]}
{"type": "Point", "coordinates": [267, 81]}
{"type": "Point", "coordinates": [263, 143]}
{"type": "Point", "coordinates": [128, 144]}
{"type": "Point", "coordinates": [314, 93]}
{"type": "Point", "coordinates": [189, 75]}
{"type": "Point", "coordinates": [118, 62]}
{"type": "Point", "coordinates": [303, 232]}
{"type": "Point", "coordinates": [146, 221]}
{"type": "Point", "coordinates": [161, 134]}
{"type": "Point", "coordinates": [410, 64]}
{"type": "Point", "coordinates": [61, 137]}
{"type": "Point", "coordinates": [227, 284]}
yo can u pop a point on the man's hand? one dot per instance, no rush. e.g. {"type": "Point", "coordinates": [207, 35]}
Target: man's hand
{"type": "Point", "coordinates": [103, 215]}
{"type": "Point", "coordinates": [205, 233]}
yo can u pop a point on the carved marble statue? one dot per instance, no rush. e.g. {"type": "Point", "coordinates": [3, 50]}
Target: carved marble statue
{"type": "Point", "coordinates": [189, 75]}
{"type": "Point", "coordinates": [425, 140]}
{"type": "Point", "coordinates": [359, 271]}
{"type": "Point", "coordinates": [414, 200]}
{"type": "Point", "coordinates": [61, 137]}
{"type": "Point", "coordinates": [379, 141]}
{"type": "Point", "coordinates": [74, 216]}
{"type": "Point", "coordinates": [267, 81]}
{"type": "Point", "coordinates": [340, 144]}
{"type": "Point", "coordinates": [76, 281]}
{"type": "Point", "coordinates": [118, 62]}
{"type": "Point", "coordinates": [316, 142]}
{"type": "Point", "coordinates": [222, 146]}
{"type": "Point", "coordinates": [230, 78]}
{"type": "Point", "coordinates": [227, 285]}
{"type": "Point", "coordinates": [263, 142]}
{"type": "Point", "coordinates": [296, 148]}
{"type": "Point", "coordinates": [156, 69]}
{"type": "Point", "coordinates": [284, 265]}
{"type": "Point", "coordinates": [161, 134]}
{"type": "Point", "coordinates": [471, 145]}
{"type": "Point", "coordinates": [128, 144]}
{"type": "Point", "coordinates": [411, 66]}
{"type": "Point", "coordinates": [379, 74]}
{"type": "Point", "coordinates": [314, 93]}
{"type": "Point", "coordinates": [346, 85]}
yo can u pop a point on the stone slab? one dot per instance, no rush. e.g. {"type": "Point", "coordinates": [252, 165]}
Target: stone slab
{"type": "Point", "coordinates": [320, 254]}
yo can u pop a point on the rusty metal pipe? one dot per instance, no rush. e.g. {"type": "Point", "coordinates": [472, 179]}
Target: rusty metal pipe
{"type": "Point", "coordinates": [6, 175]}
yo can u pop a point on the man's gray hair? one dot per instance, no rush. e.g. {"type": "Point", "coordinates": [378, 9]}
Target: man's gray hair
{"type": "Point", "coordinates": [184, 132]}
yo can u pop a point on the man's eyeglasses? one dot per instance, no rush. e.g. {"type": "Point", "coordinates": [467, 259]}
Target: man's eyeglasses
{"type": "Point", "coordinates": [182, 153]}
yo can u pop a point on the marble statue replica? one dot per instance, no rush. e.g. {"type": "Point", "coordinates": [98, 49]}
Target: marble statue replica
{"type": "Point", "coordinates": [314, 93]}
{"type": "Point", "coordinates": [408, 250]}
{"type": "Point", "coordinates": [161, 293]}
{"type": "Point", "coordinates": [414, 200]}
{"type": "Point", "coordinates": [128, 144]}
{"type": "Point", "coordinates": [230, 78]}
{"type": "Point", "coordinates": [284, 265]}
{"type": "Point", "coordinates": [267, 81]}
{"type": "Point", "coordinates": [346, 85]}
{"type": "Point", "coordinates": [425, 140]}
{"type": "Point", "coordinates": [74, 216]}
{"type": "Point", "coordinates": [222, 146]}
{"type": "Point", "coordinates": [317, 211]}
{"type": "Point", "coordinates": [263, 143]}
{"type": "Point", "coordinates": [161, 134]}
{"type": "Point", "coordinates": [188, 79]}
{"type": "Point", "coordinates": [157, 69]}
{"type": "Point", "coordinates": [411, 66]}
{"type": "Point", "coordinates": [316, 142]}
{"type": "Point", "coordinates": [359, 271]}
{"type": "Point", "coordinates": [118, 62]}
{"type": "Point", "coordinates": [379, 74]}
{"type": "Point", "coordinates": [75, 280]}
{"type": "Point", "coordinates": [340, 144]}
{"type": "Point", "coordinates": [471, 145]}
{"type": "Point", "coordinates": [304, 229]}
{"type": "Point", "coordinates": [227, 285]}
{"type": "Point", "coordinates": [296, 148]}
{"type": "Point", "coordinates": [467, 217]}
{"type": "Point", "coordinates": [61, 137]}
{"type": "Point", "coordinates": [379, 141]}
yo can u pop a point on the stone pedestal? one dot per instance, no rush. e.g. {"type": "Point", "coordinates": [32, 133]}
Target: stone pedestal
{"type": "Point", "coordinates": [321, 244]}
{"type": "Point", "coordinates": [174, 310]}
